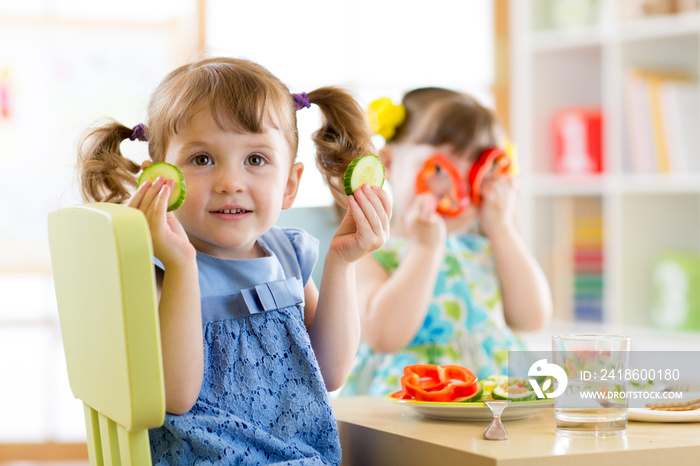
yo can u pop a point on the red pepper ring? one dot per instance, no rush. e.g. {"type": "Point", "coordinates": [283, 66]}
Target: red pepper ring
{"type": "Point", "coordinates": [490, 160]}
{"type": "Point", "coordinates": [454, 202]}
{"type": "Point", "coordinates": [400, 395]}
{"type": "Point", "coordinates": [430, 382]}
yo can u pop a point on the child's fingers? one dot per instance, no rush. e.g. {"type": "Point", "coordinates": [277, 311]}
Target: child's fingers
{"type": "Point", "coordinates": [366, 238]}
{"type": "Point", "coordinates": [151, 193]}
{"type": "Point", "coordinates": [156, 209]}
{"type": "Point", "coordinates": [508, 181]}
{"type": "Point", "coordinates": [138, 196]}
{"type": "Point", "coordinates": [380, 208]}
{"type": "Point", "coordinates": [499, 190]}
{"type": "Point", "coordinates": [358, 216]}
{"type": "Point", "coordinates": [362, 222]}
{"type": "Point", "coordinates": [423, 205]}
{"type": "Point", "coordinates": [429, 206]}
{"type": "Point", "coordinates": [385, 200]}
{"type": "Point", "coordinates": [369, 211]}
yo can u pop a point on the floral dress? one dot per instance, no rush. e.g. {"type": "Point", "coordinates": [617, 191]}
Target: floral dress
{"type": "Point", "coordinates": [464, 324]}
{"type": "Point", "coordinates": [263, 399]}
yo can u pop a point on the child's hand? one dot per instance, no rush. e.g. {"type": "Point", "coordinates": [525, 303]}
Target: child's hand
{"type": "Point", "coordinates": [170, 242]}
{"type": "Point", "coordinates": [498, 204]}
{"type": "Point", "coordinates": [365, 226]}
{"type": "Point", "coordinates": [424, 226]}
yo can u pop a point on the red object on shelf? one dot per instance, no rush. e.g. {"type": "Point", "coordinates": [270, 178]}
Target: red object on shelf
{"type": "Point", "coordinates": [578, 141]}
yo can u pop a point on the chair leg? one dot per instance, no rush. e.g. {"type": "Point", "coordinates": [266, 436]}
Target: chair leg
{"type": "Point", "coordinates": [110, 444]}
{"type": "Point", "coordinates": [135, 447]}
{"type": "Point", "coordinates": [110, 441]}
{"type": "Point", "coordinates": [94, 442]}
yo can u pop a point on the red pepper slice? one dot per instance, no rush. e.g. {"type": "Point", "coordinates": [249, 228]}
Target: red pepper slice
{"type": "Point", "coordinates": [431, 382]}
{"type": "Point", "coordinates": [493, 160]}
{"type": "Point", "coordinates": [442, 178]}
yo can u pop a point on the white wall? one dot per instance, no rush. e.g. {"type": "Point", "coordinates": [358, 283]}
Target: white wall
{"type": "Point", "coordinates": [63, 65]}
{"type": "Point", "coordinates": [375, 48]}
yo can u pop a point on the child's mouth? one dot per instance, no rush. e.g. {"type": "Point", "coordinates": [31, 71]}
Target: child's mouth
{"type": "Point", "coordinates": [231, 211]}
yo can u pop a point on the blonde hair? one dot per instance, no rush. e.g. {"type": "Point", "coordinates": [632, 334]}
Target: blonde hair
{"type": "Point", "coordinates": [437, 116]}
{"type": "Point", "coordinates": [242, 96]}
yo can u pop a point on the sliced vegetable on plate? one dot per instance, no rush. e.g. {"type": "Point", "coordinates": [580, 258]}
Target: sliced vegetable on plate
{"type": "Point", "coordinates": [453, 383]}
{"type": "Point", "coordinates": [515, 392]}
{"type": "Point", "coordinates": [431, 382]}
{"type": "Point", "coordinates": [454, 393]}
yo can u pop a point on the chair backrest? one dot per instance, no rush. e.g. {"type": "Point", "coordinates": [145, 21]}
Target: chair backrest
{"type": "Point", "coordinates": [105, 287]}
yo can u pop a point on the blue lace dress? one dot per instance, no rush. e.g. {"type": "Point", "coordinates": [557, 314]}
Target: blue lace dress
{"type": "Point", "coordinates": [263, 399]}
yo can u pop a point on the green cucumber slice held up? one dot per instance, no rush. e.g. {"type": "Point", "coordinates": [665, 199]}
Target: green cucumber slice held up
{"type": "Point", "coordinates": [366, 169]}
{"type": "Point", "coordinates": [169, 172]}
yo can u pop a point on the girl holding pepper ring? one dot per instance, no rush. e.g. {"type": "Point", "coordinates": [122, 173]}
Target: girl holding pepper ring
{"type": "Point", "coordinates": [455, 282]}
{"type": "Point", "coordinates": [440, 177]}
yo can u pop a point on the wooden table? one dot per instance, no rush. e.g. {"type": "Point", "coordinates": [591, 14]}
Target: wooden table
{"type": "Point", "coordinates": [375, 431]}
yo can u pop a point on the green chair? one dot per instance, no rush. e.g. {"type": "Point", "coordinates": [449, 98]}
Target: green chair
{"type": "Point", "coordinates": [105, 287]}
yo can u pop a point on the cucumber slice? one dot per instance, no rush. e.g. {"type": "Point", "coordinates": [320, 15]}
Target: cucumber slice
{"type": "Point", "coordinates": [513, 393]}
{"type": "Point", "coordinates": [171, 172]}
{"type": "Point", "coordinates": [476, 396]}
{"type": "Point", "coordinates": [366, 169]}
{"type": "Point", "coordinates": [500, 393]}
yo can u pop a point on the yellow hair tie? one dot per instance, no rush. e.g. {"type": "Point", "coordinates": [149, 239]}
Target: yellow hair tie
{"type": "Point", "coordinates": [385, 117]}
{"type": "Point", "coordinates": [512, 153]}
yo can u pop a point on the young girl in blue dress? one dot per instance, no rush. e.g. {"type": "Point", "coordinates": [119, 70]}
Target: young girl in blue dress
{"type": "Point", "coordinates": [444, 289]}
{"type": "Point", "coordinates": [250, 345]}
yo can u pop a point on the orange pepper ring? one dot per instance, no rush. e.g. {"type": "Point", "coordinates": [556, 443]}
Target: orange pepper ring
{"type": "Point", "coordinates": [459, 186]}
{"type": "Point", "coordinates": [489, 158]}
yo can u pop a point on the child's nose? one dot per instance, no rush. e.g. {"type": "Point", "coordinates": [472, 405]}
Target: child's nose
{"type": "Point", "coordinates": [229, 180]}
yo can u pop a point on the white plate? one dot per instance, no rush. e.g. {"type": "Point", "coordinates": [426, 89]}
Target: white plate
{"type": "Point", "coordinates": [651, 415]}
{"type": "Point", "coordinates": [473, 411]}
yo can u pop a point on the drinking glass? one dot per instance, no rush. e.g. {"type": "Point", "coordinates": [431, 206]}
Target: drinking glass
{"type": "Point", "coordinates": [594, 403]}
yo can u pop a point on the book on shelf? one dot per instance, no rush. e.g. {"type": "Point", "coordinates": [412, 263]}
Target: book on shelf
{"type": "Point", "coordinates": [639, 130]}
{"type": "Point", "coordinates": [681, 109]}
{"type": "Point", "coordinates": [577, 259]}
{"type": "Point", "coordinates": [662, 112]}
{"type": "Point", "coordinates": [589, 310]}
{"type": "Point", "coordinates": [588, 257]}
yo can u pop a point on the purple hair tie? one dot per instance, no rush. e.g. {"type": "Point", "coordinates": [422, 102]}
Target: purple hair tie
{"type": "Point", "coordinates": [301, 100]}
{"type": "Point", "coordinates": [139, 133]}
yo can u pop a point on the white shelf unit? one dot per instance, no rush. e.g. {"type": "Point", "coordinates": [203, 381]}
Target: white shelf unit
{"type": "Point", "coordinates": [643, 215]}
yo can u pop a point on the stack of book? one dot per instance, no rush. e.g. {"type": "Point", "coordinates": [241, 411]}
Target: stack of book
{"type": "Point", "coordinates": [574, 263]}
{"type": "Point", "coordinates": [588, 259]}
{"type": "Point", "coordinates": [662, 112]}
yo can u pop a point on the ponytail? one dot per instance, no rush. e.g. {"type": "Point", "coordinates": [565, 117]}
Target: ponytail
{"type": "Point", "coordinates": [105, 174]}
{"type": "Point", "coordinates": [344, 136]}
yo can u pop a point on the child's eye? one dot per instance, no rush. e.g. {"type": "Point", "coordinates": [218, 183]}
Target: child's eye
{"type": "Point", "coordinates": [202, 159]}
{"type": "Point", "coordinates": [256, 160]}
